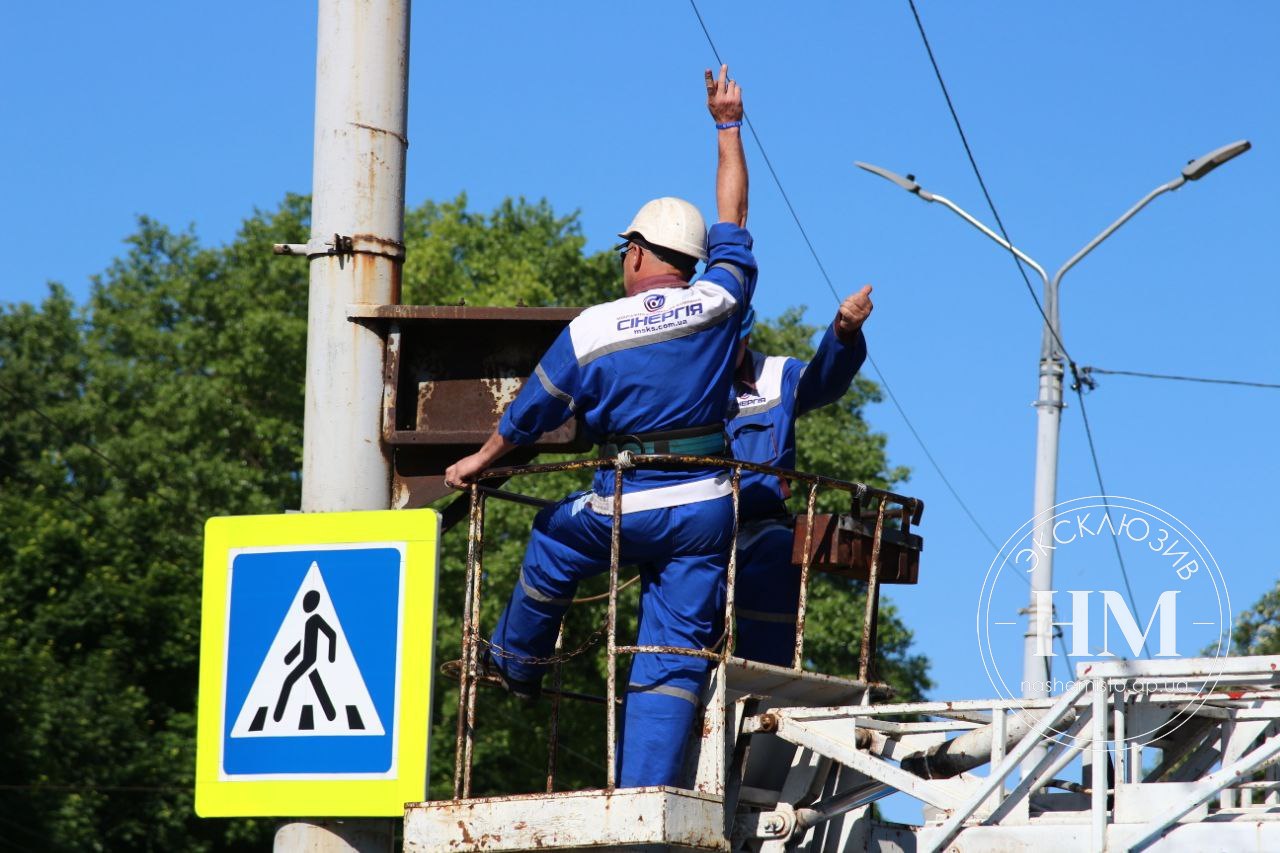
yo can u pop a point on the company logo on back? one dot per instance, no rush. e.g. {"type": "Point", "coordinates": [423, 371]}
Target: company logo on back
{"type": "Point", "coordinates": [658, 320]}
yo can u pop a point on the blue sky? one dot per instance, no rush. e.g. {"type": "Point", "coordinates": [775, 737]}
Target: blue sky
{"type": "Point", "coordinates": [196, 114]}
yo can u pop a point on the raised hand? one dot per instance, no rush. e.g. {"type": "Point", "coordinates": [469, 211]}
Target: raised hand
{"type": "Point", "coordinates": [724, 96]}
{"type": "Point", "coordinates": [853, 312]}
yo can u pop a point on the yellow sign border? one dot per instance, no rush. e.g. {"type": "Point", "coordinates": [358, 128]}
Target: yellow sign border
{"type": "Point", "coordinates": [419, 530]}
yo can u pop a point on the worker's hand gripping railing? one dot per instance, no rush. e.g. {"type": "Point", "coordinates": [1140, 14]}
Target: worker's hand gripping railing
{"type": "Point", "coordinates": [909, 513]}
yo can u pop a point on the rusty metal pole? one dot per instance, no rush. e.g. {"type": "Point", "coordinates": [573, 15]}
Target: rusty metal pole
{"type": "Point", "coordinates": [355, 253]}
{"type": "Point", "coordinates": [797, 661]}
{"type": "Point", "coordinates": [611, 640]}
{"type": "Point", "coordinates": [475, 539]}
{"type": "Point", "coordinates": [356, 247]}
{"type": "Point", "coordinates": [870, 620]}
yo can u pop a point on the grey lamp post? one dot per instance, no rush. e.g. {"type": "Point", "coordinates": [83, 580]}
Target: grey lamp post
{"type": "Point", "coordinates": [1035, 667]}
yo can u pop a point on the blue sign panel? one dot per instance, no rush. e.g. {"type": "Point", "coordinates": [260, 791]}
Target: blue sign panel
{"type": "Point", "coordinates": [313, 643]}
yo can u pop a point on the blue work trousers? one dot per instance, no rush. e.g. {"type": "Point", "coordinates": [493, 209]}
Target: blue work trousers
{"type": "Point", "coordinates": [766, 593]}
{"type": "Point", "coordinates": [684, 551]}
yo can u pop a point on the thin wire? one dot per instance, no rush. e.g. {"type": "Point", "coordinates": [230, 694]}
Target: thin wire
{"type": "Point", "coordinates": [884, 382]}
{"type": "Point", "coordinates": [765, 156]}
{"type": "Point", "coordinates": [894, 399]}
{"type": "Point", "coordinates": [1106, 508]}
{"type": "Point", "coordinates": [1031, 291]}
{"type": "Point", "coordinates": [45, 841]}
{"type": "Point", "coordinates": [124, 473]}
{"type": "Point", "coordinates": [42, 487]}
{"type": "Point", "coordinates": [59, 495]}
{"type": "Point", "coordinates": [32, 407]}
{"type": "Point", "coordinates": [830, 286]}
{"type": "Point", "coordinates": [1088, 370]}
{"type": "Point", "coordinates": [973, 163]}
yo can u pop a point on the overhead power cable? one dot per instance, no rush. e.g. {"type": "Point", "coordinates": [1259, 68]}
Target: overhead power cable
{"type": "Point", "coordinates": [99, 522]}
{"type": "Point", "coordinates": [765, 156]}
{"type": "Point", "coordinates": [977, 173]}
{"type": "Point", "coordinates": [973, 163]}
{"type": "Point", "coordinates": [1086, 372]}
{"type": "Point", "coordinates": [125, 474]}
{"type": "Point", "coordinates": [1106, 508]}
{"type": "Point", "coordinates": [830, 286]}
{"type": "Point", "coordinates": [36, 410]}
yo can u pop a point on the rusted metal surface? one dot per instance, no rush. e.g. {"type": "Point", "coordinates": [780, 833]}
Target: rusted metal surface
{"type": "Point", "coordinates": [680, 461]}
{"type": "Point", "coordinates": [705, 654]}
{"type": "Point", "coordinates": [739, 677]}
{"type": "Point", "coordinates": [553, 727]}
{"type": "Point", "coordinates": [611, 627]}
{"type": "Point", "coordinates": [470, 644]}
{"type": "Point", "coordinates": [797, 661]}
{"type": "Point", "coordinates": [732, 572]}
{"type": "Point", "coordinates": [828, 718]}
{"type": "Point", "coordinates": [871, 618]}
{"type": "Point", "coordinates": [841, 544]}
{"type": "Point", "coordinates": [653, 819]}
{"type": "Point", "coordinates": [448, 374]}
{"type": "Point", "coordinates": [465, 674]}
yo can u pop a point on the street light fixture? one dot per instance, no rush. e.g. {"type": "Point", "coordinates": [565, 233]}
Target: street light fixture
{"type": "Point", "coordinates": [1049, 404]}
{"type": "Point", "coordinates": [1197, 169]}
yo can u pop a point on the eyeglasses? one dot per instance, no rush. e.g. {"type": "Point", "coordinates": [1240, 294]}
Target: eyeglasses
{"type": "Point", "coordinates": [623, 249]}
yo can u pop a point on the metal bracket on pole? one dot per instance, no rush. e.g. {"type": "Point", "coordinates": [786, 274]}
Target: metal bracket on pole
{"type": "Point", "coordinates": [344, 246]}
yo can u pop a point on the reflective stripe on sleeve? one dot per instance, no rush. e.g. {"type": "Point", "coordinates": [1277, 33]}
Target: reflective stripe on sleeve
{"type": "Point", "coordinates": [550, 387]}
{"type": "Point", "coordinates": [732, 269]}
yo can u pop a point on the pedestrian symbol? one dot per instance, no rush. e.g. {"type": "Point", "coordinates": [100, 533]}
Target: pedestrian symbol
{"type": "Point", "coordinates": [310, 682]}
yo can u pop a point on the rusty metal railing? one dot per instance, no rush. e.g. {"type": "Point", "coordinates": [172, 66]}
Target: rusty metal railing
{"type": "Point", "coordinates": [908, 512]}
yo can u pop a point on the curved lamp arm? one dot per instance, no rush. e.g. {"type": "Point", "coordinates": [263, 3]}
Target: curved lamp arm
{"type": "Point", "coordinates": [1193, 171]}
{"type": "Point", "coordinates": [963, 214]}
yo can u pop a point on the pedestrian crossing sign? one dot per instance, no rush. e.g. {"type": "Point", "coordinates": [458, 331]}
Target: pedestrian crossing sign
{"type": "Point", "coordinates": [315, 663]}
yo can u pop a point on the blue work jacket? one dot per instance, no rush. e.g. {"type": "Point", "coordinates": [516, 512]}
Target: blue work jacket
{"type": "Point", "coordinates": [659, 360]}
{"type": "Point", "coordinates": [783, 389]}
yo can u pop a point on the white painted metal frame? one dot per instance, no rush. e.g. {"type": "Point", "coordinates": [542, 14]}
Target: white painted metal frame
{"type": "Point", "coordinates": [848, 756]}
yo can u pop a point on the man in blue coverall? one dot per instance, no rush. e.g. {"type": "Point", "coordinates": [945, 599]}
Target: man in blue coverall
{"type": "Point", "coordinates": [650, 372]}
{"type": "Point", "coordinates": [772, 391]}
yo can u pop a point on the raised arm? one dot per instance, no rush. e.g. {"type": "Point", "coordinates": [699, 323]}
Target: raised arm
{"type": "Point", "coordinates": [840, 355]}
{"type": "Point", "coordinates": [724, 101]}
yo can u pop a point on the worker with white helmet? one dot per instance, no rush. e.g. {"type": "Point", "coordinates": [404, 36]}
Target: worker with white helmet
{"type": "Point", "coordinates": [771, 393]}
{"type": "Point", "coordinates": [650, 373]}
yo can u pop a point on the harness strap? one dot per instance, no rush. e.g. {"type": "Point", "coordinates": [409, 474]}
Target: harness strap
{"type": "Point", "coordinates": [709, 440]}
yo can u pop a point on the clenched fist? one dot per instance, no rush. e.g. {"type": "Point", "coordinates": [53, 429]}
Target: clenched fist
{"type": "Point", "coordinates": [853, 312]}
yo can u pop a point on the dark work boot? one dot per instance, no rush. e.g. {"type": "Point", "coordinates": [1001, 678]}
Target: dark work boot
{"type": "Point", "coordinates": [526, 691]}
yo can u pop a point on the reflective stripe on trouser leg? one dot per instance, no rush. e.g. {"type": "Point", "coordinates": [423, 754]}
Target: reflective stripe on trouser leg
{"type": "Point", "coordinates": [767, 596]}
{"type": "Point", "coordinates": [563, 549]}
{"type": "Point", "coordinates": [655, 734]}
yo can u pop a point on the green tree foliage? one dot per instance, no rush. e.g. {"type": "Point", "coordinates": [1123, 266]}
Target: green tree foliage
{"type": "Point", "coordinates": [174, 394]}
{"type": "Point", "coordinates": [170, 397]}
{"type": "Point", "coordinates": [1257, 630]}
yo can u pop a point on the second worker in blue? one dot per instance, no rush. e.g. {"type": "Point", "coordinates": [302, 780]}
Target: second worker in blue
{"type": "Point", "coordinates": [772, 392]}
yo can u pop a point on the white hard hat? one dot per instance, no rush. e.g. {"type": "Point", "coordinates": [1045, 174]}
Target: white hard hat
{"type": "Point", "coordinates": [671, 223]}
